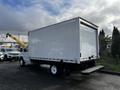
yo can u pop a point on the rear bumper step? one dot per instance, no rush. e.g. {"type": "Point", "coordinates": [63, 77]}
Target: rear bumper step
{"type": "Point", "coordinates": [92, 69]}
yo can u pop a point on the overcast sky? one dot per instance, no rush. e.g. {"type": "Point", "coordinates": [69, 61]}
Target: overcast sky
{"type": "Point", "coordinates": [20, 16]}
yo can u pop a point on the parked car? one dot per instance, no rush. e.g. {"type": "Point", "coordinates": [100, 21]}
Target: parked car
{"type": "Point", "coordinates": [10, 54]}
{"type": "Point", "coordinates": [1, 56]}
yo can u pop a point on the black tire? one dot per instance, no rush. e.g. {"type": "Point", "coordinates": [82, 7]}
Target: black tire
{"type": "Point", "coordinates": [1, 60]}
{"type": "Point", "coordinates": [21, 62]}
{"type": "Point", "coordinates": [5, 58]}
{"type": "Point", "coordinates": [56, 70]}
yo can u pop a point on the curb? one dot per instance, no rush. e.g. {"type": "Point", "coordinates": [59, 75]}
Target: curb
{"type": "Point", "coordinates": [109, 72]}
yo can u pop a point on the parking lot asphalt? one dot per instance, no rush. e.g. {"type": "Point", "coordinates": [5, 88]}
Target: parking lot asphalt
{"type": "Point", "coordinates": [13, 77]}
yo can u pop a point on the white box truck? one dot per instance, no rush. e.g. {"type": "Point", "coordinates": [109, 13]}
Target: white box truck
{"type": "Point", "coordinates": [66, 46]}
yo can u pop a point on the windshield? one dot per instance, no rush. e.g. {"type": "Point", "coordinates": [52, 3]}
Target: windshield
{"type": "Point", "coordinates": [9, 50]}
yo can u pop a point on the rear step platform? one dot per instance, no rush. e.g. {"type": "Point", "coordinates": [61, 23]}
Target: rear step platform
{"type": "Point", "coordinates": [92, 69]}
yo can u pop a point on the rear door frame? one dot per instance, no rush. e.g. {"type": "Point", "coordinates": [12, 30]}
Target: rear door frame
{"type": "Point", "coordinates": [93, 26]}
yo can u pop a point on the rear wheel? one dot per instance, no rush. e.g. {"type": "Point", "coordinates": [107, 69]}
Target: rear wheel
{"type": "Point", "coordinates": [56, 70]}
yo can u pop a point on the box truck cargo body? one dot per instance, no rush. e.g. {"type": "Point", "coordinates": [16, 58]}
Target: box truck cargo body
{"type": "Point", "coordinates": [71, 42]}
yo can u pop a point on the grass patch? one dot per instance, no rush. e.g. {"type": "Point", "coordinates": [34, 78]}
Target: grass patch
{"type": "Point", "coordinates": [110, 63]}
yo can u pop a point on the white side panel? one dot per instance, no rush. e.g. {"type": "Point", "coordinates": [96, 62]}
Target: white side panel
{"type": "Point", "coordinates": [59, 41]}
{"type": "Point", "coordinates": [88, 43]}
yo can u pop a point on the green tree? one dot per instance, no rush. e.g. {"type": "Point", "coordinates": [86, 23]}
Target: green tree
{"type": "Point", "coordinates": [108, 40]}
{"type": "Point", "coordinates": [115, 47]}
{"type": "Point", "coordinates": [102, 42]}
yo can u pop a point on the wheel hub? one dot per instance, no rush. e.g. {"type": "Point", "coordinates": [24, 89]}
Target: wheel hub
{"type": "Point", "coordinates": [53, 69]}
